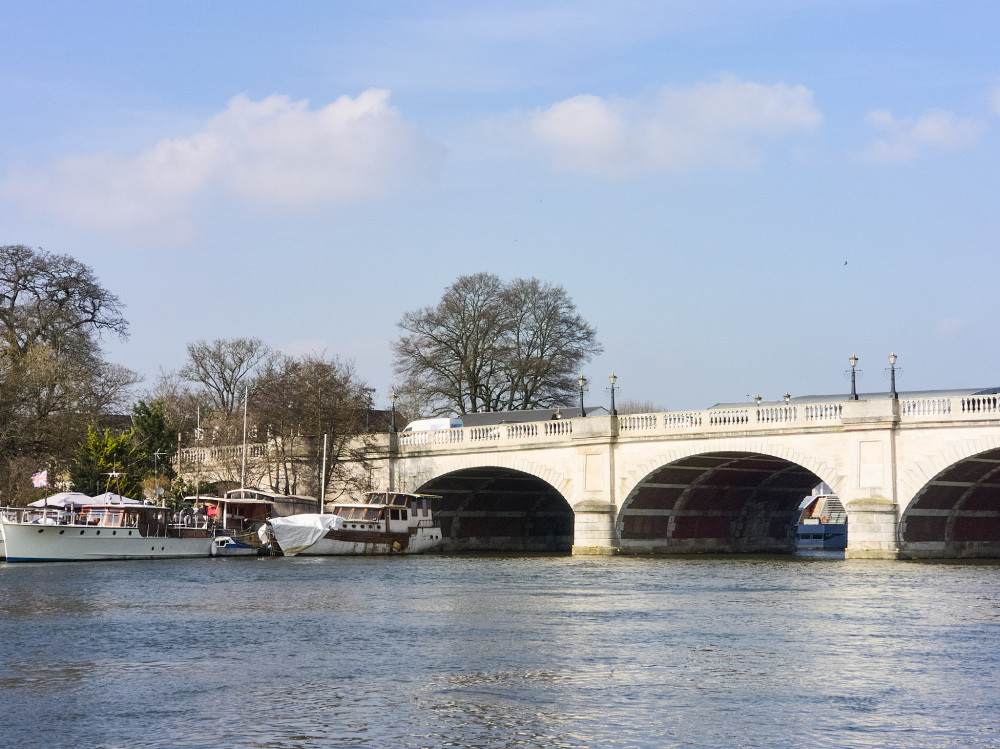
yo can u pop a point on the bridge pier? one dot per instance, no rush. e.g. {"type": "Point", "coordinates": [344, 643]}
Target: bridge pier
{"type": "Point", "coordinates": [873, 529]}
{"type": "Point", "coordinates": [594, 531]}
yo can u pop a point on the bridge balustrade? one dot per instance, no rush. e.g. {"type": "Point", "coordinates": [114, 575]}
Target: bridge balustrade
{"type": "Point", "coordinates": [729, 417]}
{"type": "Point", "coordinates": [981, 404]}
{"type": "Point", "coordinates": [722, 420]}
{"type": "Point", "coordinates": [959, 408]}
{"type": "Point", "coordinates": [521, 431]}
{"type": "Point", "coordinates": [775, 414]}
{"type": "Point", "coordinates": [559, 428]}
{"type": "Point", "coordinates": [637, 422]}
{"type": "Point", "coordinates": [925, 406]}
{"type": "Point", "coordinates": [210, 455]}
{"type": "Point", "coordinates": [824, 412]}
{"type": "Point", "coordinates": [479, 434]}
{"type": "Point", "coordinates": [433, 437]}
{"type": "Point", "coordinates": [676, 420]}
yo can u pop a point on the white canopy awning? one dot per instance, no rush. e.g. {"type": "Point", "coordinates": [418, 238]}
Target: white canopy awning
{"type": "Point", "coordinates": [110, 498]}
{"type": "Point", "coordinates": [64, 499]}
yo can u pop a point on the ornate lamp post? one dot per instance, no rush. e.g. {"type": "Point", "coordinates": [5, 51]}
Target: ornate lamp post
{"type": "Point", "coordinates": [854, 391]}
{"type": "Point", "coordinates": [581, 381]}
{"type": "Point", "coordinates": [613, 380]}
{"type": "Point", "coordinates": [892, 377]}
{"type": "Point", "coordinates": [788, 397]}
{"type": "Point", "coordinates": [392, 411]}
{"type": "Point", "coordinates": [758, 399]}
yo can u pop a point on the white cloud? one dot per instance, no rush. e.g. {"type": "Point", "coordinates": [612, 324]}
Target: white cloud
{"type": "Point", "coordinates": [273, 152]}
{"type": "Point", "coordinates": [721, 122]}
{"type": "Point", "coordinates": [907, 138]}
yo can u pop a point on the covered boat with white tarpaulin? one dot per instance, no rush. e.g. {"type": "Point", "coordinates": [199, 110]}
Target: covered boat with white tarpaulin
{"type": "Point", "coordinates": [379, 523]}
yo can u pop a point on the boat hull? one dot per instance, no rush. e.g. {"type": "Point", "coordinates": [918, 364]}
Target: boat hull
{"type": "Point", "coordinates": [345, 543]}
{"type": "Point", "coordinates": [31, 542]}
{"type": "Point", "coordinates": [227, 546]}
{"type": "Point", "coordinates": [821, 536]}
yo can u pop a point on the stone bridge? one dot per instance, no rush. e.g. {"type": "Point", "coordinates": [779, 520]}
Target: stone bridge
{"type": "Point", "coordinates": [919, 477]}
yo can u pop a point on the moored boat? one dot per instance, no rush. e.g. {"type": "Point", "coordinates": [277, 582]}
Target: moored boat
{"type": "Point", "coordinates": [381, 523]}
{"type": "Point", "coordinates": [101, 531]}
{"type": "Point", "coordinates": [227, 546]}
{"type": "Point", "coordinates": [822, 524]}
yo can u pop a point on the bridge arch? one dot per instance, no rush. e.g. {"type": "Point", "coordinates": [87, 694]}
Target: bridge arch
{"type": "Point", "coordinates": [499, 508]}
{"type": "Point", "coordinates": [945, 454]}
{"type": "Point", "coordinates": [722, 498]}
{"type": "Point", "coordinates": [956, 513]}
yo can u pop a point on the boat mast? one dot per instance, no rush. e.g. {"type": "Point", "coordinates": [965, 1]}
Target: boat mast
{"type": "Point", "coordinates": [243, 470]}
{"type": "Point", "coordinates": [322, 479]}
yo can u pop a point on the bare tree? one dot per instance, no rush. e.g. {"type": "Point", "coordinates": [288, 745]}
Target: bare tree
{"type": "Point", "coordinates": [297, 402]}
{"type": "Point", "coordinates": [453, 352]}
{"type": "Point", "coordinates": [490, 346]}
{"type": "Point", "coordinates": [224, 368]}
{"type": "Point", "coordinates": [549, 342]}
{"type": "Point", "coordinates": [180, 402]}
{"type": "Point", "coordinates": [639, 407]}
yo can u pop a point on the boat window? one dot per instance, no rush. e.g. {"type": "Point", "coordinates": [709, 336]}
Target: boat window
{"type": "Point", "coordinates": [394, 514]}
{"type": "Point", "coordinates": [372, 514]}
{"type": "Point", "coordinates": [402, 514]}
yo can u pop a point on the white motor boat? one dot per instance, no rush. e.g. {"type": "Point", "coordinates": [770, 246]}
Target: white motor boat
{"type": "Point", "coordinates": [108, 530]}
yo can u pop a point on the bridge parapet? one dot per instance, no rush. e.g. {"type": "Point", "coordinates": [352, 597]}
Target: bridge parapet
{"type": "Point", "coordinates": [556, 429]}
{"type": "Point", "coordinates": [959, 408]}
{"type": "Point", "coordinates": [826, 415]}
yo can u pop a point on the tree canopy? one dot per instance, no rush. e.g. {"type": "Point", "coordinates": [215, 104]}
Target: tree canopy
{"type": "Point", "coordinates": [108, 461]}
{"type": "Point", "coordinates": [54, 381]}
{"type": "Point", "coordinates": [490, 345]}
{"type": "Point", "coordinates": [297, 401]}
{"type": "Point", "coordinates": [224, 368]}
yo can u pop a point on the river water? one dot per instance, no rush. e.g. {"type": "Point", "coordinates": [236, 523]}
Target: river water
{"type": "Point", "coordinates": [503, 651]}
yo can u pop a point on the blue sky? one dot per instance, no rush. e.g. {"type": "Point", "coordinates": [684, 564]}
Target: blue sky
{"type": "Point", "coordinates": [738, 195]}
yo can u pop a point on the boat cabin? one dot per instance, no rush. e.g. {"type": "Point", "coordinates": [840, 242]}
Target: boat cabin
{"type": "Point", "coordinates": [402, 510]}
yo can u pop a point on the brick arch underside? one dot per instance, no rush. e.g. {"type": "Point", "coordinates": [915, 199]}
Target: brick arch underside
{"type": "Point", "coordinates": [956, 513]}
{"type": "Point", "coordinates": [716, 502]}
{"type": "Point", "coordinates": [500, 509]}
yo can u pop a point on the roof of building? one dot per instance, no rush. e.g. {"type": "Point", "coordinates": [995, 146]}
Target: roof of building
{"type": "Point", "coordinates": [806, 399]}
{"type": "Point", "coordinates": [535, 414]}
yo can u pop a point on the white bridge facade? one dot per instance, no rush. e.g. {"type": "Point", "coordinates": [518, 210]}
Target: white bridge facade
{"type": "Point", "coordinates": [919, 477]}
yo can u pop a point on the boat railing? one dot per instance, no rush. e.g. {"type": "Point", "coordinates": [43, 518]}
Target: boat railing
{"type": "Point", "coordinates": [36, 515]}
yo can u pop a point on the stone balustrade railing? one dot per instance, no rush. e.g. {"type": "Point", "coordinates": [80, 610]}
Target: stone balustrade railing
{"type": "Point", "coordinates": [743, 418]}
{"type": "Point", "coordinates": [221, 454]}
{"type": "Point", "coordinates": [529, 430]}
